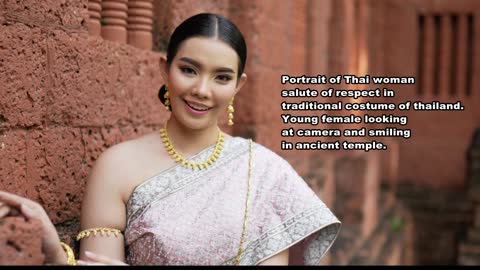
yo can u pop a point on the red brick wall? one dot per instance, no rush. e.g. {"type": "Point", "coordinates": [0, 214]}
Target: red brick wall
{"type": "Point", "coordinates": [435, 156]}
{"type": "Point", "coordinates": [18, 236]}
{"type": "Point", "coordinates": [432, 164]}
{"type": "Point", "coordinates": [67, 96]}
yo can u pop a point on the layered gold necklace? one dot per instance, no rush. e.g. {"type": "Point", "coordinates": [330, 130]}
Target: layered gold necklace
{"type": "Point", "coordinates": [179, 158]}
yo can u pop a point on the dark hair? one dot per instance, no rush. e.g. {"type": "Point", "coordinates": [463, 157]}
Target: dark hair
{"type": "Point", "coordinates": [207, 25]}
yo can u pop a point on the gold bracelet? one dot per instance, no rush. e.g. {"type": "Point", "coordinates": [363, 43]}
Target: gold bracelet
{"type": "Point", "coordinates": [70, 254]}
{"type": "Point", "coordinates": [94, 231]}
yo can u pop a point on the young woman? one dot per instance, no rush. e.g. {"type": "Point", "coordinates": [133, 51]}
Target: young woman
{"type": "Point", "coordinates": [191, 194]}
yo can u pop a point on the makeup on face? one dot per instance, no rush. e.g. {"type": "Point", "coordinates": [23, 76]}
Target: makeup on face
{"type": "Point", "coordinates": [203, 78]}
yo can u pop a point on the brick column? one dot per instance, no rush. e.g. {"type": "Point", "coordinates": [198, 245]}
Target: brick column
{"type": "Point", "coordinates": [114, 15]}
{"type": "Point", "coordinates": [428, 58]}
{"type": "Point", "coordinates": [475, 83]}
{"type": "Point", "coordinates": [462, 54]}
{"type": "Point", "coordinates": [371, 190]}
{"type": "Point", "coordinates": [94, 13]}
{"type": "Point", "coordinates": [445, 57]}
{"type": "Point", "coordinates": [140, 23]}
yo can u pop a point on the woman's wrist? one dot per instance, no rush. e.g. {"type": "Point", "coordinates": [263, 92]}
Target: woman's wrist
{"type": "Point", "coordinates": [70, 254]}
{"type": "Point", "coordinates": [59, 257]}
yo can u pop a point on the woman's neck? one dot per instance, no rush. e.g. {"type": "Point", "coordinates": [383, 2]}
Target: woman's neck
{"type": "Point", "coordinates": [188, 141]}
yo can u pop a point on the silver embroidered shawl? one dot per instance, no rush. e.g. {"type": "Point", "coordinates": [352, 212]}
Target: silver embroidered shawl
{"type": "Point", "coordinates": [195, 217]}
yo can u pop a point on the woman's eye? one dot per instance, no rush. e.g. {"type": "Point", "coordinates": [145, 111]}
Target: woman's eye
{"type": "Point", "coordinates": [187, 70]}
{"type": "Point", "coordinates": [224, 78]}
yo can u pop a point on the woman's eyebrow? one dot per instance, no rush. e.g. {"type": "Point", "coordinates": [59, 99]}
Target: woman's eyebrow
{"type": "Point", "coordinates": [197, 64]}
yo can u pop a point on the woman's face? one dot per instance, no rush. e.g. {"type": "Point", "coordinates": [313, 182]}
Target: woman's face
{"type": "Point", "coordinates": [202, 79]}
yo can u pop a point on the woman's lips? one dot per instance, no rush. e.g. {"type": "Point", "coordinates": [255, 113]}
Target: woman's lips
{"type": "Point", "coordinates": [197, 105]}
{"type": "Point", "coordinates": [195, 111]}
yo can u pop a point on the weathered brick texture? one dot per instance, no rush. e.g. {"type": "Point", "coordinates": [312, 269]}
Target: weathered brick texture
{"type": "Point", "coordinates": [66, 96]}
{"type": "Point", "coordinates": [20, 242]}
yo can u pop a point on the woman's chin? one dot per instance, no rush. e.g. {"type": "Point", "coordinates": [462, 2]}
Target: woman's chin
{"type": "Point", "coordinates": [195, 124]}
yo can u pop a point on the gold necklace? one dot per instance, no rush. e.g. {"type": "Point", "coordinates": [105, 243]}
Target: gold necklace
{"type": "Point", "coordinates": [178, 158]}
{"type": "Point", "coordinates": [242, 240]}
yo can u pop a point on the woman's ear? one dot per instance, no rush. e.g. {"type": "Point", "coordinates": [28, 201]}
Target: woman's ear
{"type": "Point", "coordinates": [241, 82]}
{"type": "Point", "coordinates": [164, 68]}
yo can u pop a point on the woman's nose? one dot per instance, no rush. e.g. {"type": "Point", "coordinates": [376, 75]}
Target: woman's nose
{"type": "Point", "coordinates": [202, 89]}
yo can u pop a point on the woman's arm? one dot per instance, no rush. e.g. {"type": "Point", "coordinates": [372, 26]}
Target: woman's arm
{"type": "Point", "coordinates": [279, 259]}
{"type": "Point", "coordinates": [103, 206]}
{"type": "Point", "coordinates": [51, 247]}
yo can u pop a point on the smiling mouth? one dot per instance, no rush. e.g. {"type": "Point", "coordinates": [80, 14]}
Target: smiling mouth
{"type": "Point", "coordinates": [197, 107]}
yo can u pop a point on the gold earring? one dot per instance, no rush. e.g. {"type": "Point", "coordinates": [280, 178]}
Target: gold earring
{"type": "Point", "coordinates": [167, 98]}
{"type": "Point", "coordinates": [230, 113]}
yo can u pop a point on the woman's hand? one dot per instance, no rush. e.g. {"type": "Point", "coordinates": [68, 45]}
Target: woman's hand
{"type": "Point", "coordinates": [4, 209]}
{"type": "Point", "coordinates": [54, 253]}
{"type": "Point", "coordinates": [96, 259]}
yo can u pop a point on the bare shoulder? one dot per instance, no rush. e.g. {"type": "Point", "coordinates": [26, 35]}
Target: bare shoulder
{"type": "Point", "coordinates": [125, 164]}
{"type": "Point", "coordinates": [112, 178]}
{"type": "Point", "coordinates": [121, 158]}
